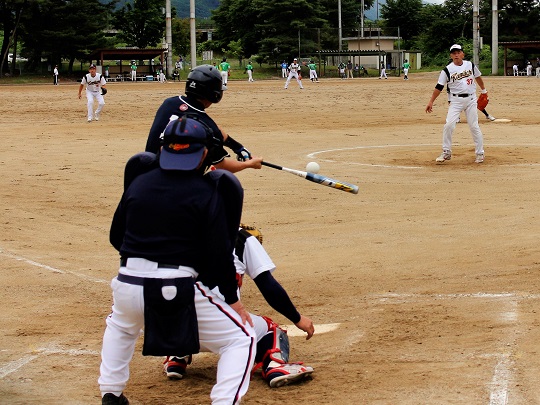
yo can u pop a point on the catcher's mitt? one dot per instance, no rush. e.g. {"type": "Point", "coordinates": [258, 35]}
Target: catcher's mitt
{"type": "Point", "coordinates": [482, 102]}
{"type": "Point", "coordinates": [253, 231]}
{"type": "Point", "coordinates": [103, 91]}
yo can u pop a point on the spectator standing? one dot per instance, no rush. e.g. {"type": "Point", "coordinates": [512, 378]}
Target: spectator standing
{"type": "Point", "coordinates": [341, 70]}
{"type": "Point", "coordinates": [349, 70]}
{"type": "Point", "coordinates": [383, 71]}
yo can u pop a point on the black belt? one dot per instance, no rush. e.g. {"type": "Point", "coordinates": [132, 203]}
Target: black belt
{"type": "Point", "coordinates": [462, 95]}
{"type": "Point", "coordinates": [123, 263]}
{"type": "Point", "coordinates": [124, 278]}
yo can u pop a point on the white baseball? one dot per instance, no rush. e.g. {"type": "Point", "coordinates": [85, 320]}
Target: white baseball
{"type": "Point", "coordinates": [313, 167]}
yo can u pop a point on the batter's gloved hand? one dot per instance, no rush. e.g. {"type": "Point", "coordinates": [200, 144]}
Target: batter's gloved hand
{"type": "Point", "coordinates": [242, 154]}
{"type": "Point", "coordinates": [482, 102]}
{"type": "Point", "coordinates": [103, 91]}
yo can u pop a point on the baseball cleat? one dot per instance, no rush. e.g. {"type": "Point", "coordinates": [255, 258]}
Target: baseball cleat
{"type": "Point", "coordinates": [175, 367]}
{"type": "Point", "coordinates": [96, 116]}
{"type": "Point", "coordinates": [491, 118]}
{"type": "Point", "coordinates": [443, 157]}
{"type": "Point", "coordinates": [286, 374]}
{"type": "Point", "coordinates": [479, 158]}
{"type": "Point", "coordinates": [111, 399]}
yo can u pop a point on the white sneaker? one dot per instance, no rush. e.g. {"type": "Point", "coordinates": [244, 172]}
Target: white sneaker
{"type": "Point", "coordinates": [479, 158]}
{"type": "Point", "coordinates": [96, 116]}
{"type": "Point", "coordinates": [90, 119]}
{"type": "Point", "coordinates": [443, 157]}
{"type": "Point", "coordinates": [286, 374]}
{"type": "Point", "coordinates": [491, 118]}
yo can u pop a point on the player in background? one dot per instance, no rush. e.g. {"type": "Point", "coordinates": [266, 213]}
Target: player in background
{"type": "Point", "coordinates": [273, 343]}
{"type": "Point", "coordinates": [225, 69]}
{"type": "Point", "coordinates": [460, 76]}
{"type": "Point", "coordinates": [284, 69]}
{"type": "Point", "coordinates": [204, 87]}
{"type": "Point", "coordinates": [294, 71]}
{"type": "Point", "coordinates": [94, 82]}
{"type": "Point", "coordinates": [133, 71]}
{"type": "Point", "coordinates": [383, 71]}
{"type": "Point", "coordinates": [313, 71]}
{"type": "Point", "coordinates": [249, 70]}
{"type": "Point", "coordinates": [55, 75]}
{"type": "Point", "coordinates": [406, 67]}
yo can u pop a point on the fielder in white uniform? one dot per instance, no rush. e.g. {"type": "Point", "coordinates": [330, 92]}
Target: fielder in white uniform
{"type": "Point", "coordinates": [273, 347]}
{"type": "Point", "coordinates": [460, 76]}
{"type": "Point", "coordinates": [94, 82]}
{"type": "Point", "coordinates": [294, 69]}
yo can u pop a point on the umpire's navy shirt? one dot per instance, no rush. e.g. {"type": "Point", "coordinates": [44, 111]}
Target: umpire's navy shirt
{"type": "Point", "coordinates": [182, 218]}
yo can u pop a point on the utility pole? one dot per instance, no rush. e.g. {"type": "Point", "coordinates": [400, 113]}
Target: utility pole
{"type": "Point", "coordinates": [495, 40]}
{"type": "Point", "coordinates": [476, 31]}
{"type": "Point", "coordinates": [168, 37]}
{"type": "Point", "coordinates": [339, 26]}
{"type": "Point", "coordinates": [193, 36]}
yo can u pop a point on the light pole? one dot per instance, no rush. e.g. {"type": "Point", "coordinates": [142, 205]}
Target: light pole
{"type": "Point", "coordinates": [495, 40]}
{"type": "Point", "coordinates": [168, 36]}
{"type": "Point", "coordinates": [193, 37]}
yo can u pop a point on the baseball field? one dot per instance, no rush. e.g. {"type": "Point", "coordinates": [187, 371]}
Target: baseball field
{"type": "Point", "coordinates": [424, 287]}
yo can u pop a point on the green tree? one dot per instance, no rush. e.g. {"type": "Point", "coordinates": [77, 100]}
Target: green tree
{"type": "Point", "coordinates": [141, 23]}
{"type": "Point", "coordinates": [404, 14]}
{"type": "Point", "coordinates": [180, 36]}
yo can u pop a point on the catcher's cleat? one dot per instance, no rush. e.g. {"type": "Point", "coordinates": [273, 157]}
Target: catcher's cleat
{"type": "Point", "coordinates": [287, 373]}
{"type": "Point", "coordinates": [479, 158]}
{"type": "Point", "coordinates": [175, 367]}
{"type": "Point", "coordinates": [443, 157]}
{"type": "Point", "coordinates": [111, 399]}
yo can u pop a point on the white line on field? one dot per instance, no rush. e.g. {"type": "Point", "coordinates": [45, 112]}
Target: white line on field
{"type": "Point", "coordinates": [53, 269]}
{"type": "Point", "coordinates": [14, 365]}
{"type": "Point", "coordinates": [314, 154]}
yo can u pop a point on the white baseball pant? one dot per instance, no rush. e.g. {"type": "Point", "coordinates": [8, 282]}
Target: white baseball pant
{"type": "Point", "coordinates": [295, 75]}
{"type": "Point", "coordinates": [457, 105]}
{"type": "Point", "coordinates": [91, 96]}
{"type": "Point", "coordinates": [220, 331]}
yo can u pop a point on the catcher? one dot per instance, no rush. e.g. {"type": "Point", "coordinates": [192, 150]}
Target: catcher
{"type": "Point", "coordinates": [273, 343]}
{"type": "Point", "coordinates": [460, 76]}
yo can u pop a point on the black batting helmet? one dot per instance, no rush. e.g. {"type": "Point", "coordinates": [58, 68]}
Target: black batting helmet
{"type": "Point", "coordinates": [205, 82]}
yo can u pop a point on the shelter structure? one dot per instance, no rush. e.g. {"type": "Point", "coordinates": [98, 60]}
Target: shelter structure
{"type": "Point", "coordinates": [122, 58]}
{"type": "Point", "coordinates": [529, 49]}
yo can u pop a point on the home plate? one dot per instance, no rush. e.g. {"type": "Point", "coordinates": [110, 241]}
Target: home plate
{"type": "Point", "coordinates": [502, 120]}
{"type": "Point", "coordinates": [292, 330]}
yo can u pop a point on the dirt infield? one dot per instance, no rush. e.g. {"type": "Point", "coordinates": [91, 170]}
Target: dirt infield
{"type": "Point", "coordinates": [429, 275]}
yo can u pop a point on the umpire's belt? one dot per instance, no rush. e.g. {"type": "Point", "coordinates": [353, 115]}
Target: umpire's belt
{"type": "Point", "coordinates": [462, 95]}
{"type": "Point", "coordinates": [123, 263]}
{"type": "Point", "coordinates": [124, 278]}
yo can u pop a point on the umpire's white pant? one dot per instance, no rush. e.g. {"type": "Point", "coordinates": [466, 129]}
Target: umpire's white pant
{"type": "Point", "coordinates": [91, 96]}
{"type": "Point", "coordinates": [220, 331]}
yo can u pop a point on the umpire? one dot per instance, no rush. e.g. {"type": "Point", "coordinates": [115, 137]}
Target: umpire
{"type": "Point", "coordinates": [175, 229]}
{"type": "Point", "coordinates": [204, 87]}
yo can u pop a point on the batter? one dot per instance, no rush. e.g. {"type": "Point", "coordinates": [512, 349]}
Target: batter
{"type": "Point", "coordinates": [460, 76]}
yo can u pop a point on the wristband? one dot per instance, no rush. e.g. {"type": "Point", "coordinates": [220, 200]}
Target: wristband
{"type": "Point", "coordinates": [484, 91]}
{"type": "Point", "coordinates": [231, 143]}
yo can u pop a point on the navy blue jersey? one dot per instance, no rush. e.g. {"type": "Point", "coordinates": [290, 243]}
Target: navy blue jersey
{"type": "Point", "coordinates": [180, 105]}
{"type": "Point", "coordinates": [182, 218]}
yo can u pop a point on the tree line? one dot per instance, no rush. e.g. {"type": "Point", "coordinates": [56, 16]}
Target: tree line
{"type": "Point", "coordinates": [268, 31]}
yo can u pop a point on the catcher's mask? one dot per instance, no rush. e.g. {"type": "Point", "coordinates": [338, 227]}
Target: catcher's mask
{"type": "Point", "coordinates": [253, 231]}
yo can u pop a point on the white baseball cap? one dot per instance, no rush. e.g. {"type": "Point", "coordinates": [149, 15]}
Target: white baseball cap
{"type": "Point", "coordinates": [456, 46]}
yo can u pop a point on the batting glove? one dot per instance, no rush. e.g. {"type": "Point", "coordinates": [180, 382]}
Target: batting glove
{"type": "Point", "coordinates": [242, 154]}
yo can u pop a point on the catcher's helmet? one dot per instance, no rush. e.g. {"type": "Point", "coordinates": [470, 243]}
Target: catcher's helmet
{"type": "Point", "coordinates": [205, 82]}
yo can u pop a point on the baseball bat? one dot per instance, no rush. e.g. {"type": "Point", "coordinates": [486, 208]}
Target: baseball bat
{"type": "Point", "coordinates": [317, 178]}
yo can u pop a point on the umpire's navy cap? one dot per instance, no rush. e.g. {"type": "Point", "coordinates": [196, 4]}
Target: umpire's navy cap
{"type": "Point", "coordinates": [184, 142]}
{"type": "Point", "coordinates": [456, 47]}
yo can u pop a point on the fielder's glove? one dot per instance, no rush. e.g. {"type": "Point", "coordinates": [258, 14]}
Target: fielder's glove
{"type": "Point", "coordinates": [253, 231]}
{"type": "Point", "coordinates": [242, 154]}
{"type": "Point", "coordinates": [103, 91]}
{"type": "Point", "coordinates": [482, 102]}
